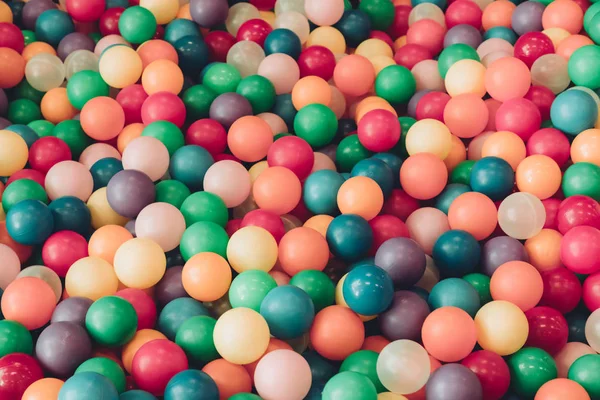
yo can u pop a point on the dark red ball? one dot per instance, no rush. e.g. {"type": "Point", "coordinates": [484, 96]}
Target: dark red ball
{"type": "Point", "coordinates": [17, 372]}
{"type": "Point", "coordinates": [548, 329]}
{"type": "Point", "coordinates": [62, 249]}
{"type": "Point", "coordinates": [542, 97]}
{"type": "Point", "coordinates": [163, 106]}
{"type": "Point", "coordinates": [379, 130]}
{"type": "Point", "coordinates": [85, 10]}
{"type": "Point", "coordinates": [384, 37]}
{"type": "Point", "coordinates": [264, 5]}
{"type": "Point", "coordinates": [463, 12]}
{"type": "Point", "coordinates": [492, 372]}
{"type": "Point", "coordinates": [578, 210]}
{"type": "Point", "coordinates": [47, 152]}
{"type": "Point", "coordinates": [399, 26]}
{"type": "Point", "coordinates": [209, 134]}
{"type": "Point", "coordinates": [293, 153]}
{"type": "Point", "coordinates": [562, 290]}
{"type": "Point", "coordinates": [400, 204]}
{"type": "Point", "coordinates": [386, 227]}
{"type": "Point", "coordinates": [143, 304]}
{"type": "Point", "coordinates": [255, 30]}
{"type": "Point", "coordinates": [27, 173]}
{"type": "Point", "coordinates": [233, 225]}
{"type": "Point", "coordinates": [519, 116]}
{"type": "Point", "coordinates": [267, 220]}
{"type": "Point", "coordinates": [219, 43]}
{"type": "Point", "coordinates": [551, 206]}
{"type": "Point", "coordinates": [552, 143]}
{"type": "Point", "coordinates": [411, 54]}
{"type": "Point", "coordinates": [532, 46]}
{"type": "Point", "coordinates": [131, 98]}
{"type": "Point", "coordinates": [109, 21]}
{"type": "Point", "coordinates": [11, 37]}
{"type": "Point", "coordinates": [432, 106]}
{"type": "Point", "coordinates": [155, 363]}
{"type": "Point", "coordinates": [318, 61]}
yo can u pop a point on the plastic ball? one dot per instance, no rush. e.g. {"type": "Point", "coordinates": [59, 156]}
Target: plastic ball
{"type": "Point", "coordinates": [403, 366]}
{"type": "Point", "coordinates": [423, 176]}
{"type": "Point", "coordinates": [155, 363]}
{"type": "Point", "coordinates": [336, 332]}
{"type": "Point", "coordinates": [111, 321]}
{"type": "Point", "coordinates": [456, 253]}
{"type": "Point", "coordinates": [128, 261]}
{"type": "Point", "coordinates": [493, 330]}
{"type": "Point", "coordinates": [526, 293]}
{"type": "Point", "coordinates": [277, 189]}
{"type": "Point", "coordinates": [53, 25]}
{"type": "Point", "coordinates": [548, 329]}
{"type": "Point", "coordinates": [120, 66]}
{"type": "Point", "coordinates": [492, 371]}
{"type": "Point", "coordinates": [573, 112]}
{"type": "Point", "coordinates": [45, 72]}
{"type": "Point", "coordinates": [232, 342]}
{"type": "Point", "coordinates": [288, 311]}
{"type": "Point", "coordinates": [30, 301]}
{"type": "Point", "coordinates": [43, 387]}
{"type": "Point", "coordinates": [72, 309]}
{"type": "Point", "coordinates": [12, 65]}
{"type": "Point", "coordinates": [539, 175]}
{"type": "Point", "coordinates": [72, 343]}
{"type": "Point", "coordinates": [445, 323]}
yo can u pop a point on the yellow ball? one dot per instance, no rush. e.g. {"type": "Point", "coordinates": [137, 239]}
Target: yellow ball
{"type": "Point", "coordinates": [102, 213]}
{"type": "Point", "coordinates": [466, 76]}
{"type": "Point", "coordinates": [2, 214]}
{"type": "Point", "coordinates": [257, 169]}
{"type": "Point", "coordinates": [429, 136]}
{"type": "Point", "coordinates": [91, 277]}
{"type": "Point", "coordinates": [374, 47]}
{"type": "Point", "coordinates": [390, 396]}
{"type": "Point", "coordinates": [241, 335]}
{"type": "Point", "coordinates": [501, 327]}
{"type": "Point", "coordinates": [13, 153]}
{"type": "Point", "coordinates": [140, 263]}
{"type": "Point", "coordinates": [238, 14]}
{"type": "Point", "coordinates": [556, 35]}
{"type": "Point", "coordinates": [250, 248]}
{"type": "Point", "coordinates": [329, 37]}
{"type": "Point", "coordinates": [120, 66]}
{"type": "Point", "coordinates": [164, 11]}
{"type": "Point", "coordinates": [340, 301]}
{"type": "Point", "coordinates": [380, 62]}
{"type": "Point", "coordinates": [268, 16]}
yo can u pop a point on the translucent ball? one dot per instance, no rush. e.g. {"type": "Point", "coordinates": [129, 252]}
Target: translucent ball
{"type": "Point", "coordinates": [44, 72]}
{"type": "Point", "coordinates": [246, 56]}
{"type": "Point", "coordinates": [427, 11]}
{"type": "Point", "coordinates": [550, 70]}
{"type": "Point", "coordinates": [592, 330]}
{"type": "Point", "coordinates": [295, 22]}
{"type": "Point", "coordinates": [240, 13]}
{"type": "Point", "coordinates": [282, 6]}
{"type": "Point", "coordinates": [80, 60]}
{"type": "Point", "coordinates": [403, 366]}
{"type": "Point", "coordinates": [521, 215]}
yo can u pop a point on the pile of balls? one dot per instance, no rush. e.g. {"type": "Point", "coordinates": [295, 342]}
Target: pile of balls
{"type": "Point", "coordinates": [299, 199]}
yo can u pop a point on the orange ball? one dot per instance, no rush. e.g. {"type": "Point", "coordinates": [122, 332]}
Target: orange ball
{"type": "Point", "coordinates": [5, 13]}
{"type": "Point", "coordinates": [539, 175]}
{"type": "Point", "coordinates": [568, 46]}
{"type": "Point", "coordinates": [586, 147]}
{"type": "Point", "coordinates": [319, 223]}
{"type": "Point", "coordinates": [507, 78]}
{"type": "Point", "coordinates": [95, 119]}
{"type": "Point", "coordinates": [56, 107]}
{"type": "Point", "coordinates": [29, 301]}
{"type": "Point", "coordinates": [361, 196]}
{"type": "Point", "coordinates": [423, 176]}
{"type": "Point", "coordinates": [498, 13]}
{"type": "Point", "coordinates": [519, 283]}
{"type": "Point", "coordinates": [184, 12]}
{"type": "Point", "coordinates": [375, 343]}
{"type": "Point", "coordinates": [466, 115]}
{"type": "Point", "coordinates": [458, 154]}
{"type": "Point", "coordinates": [274, 344]}
{"type": "Point", "coordinates": [449, 334]}
{"type": "Point", "coordinates": [230, 378]}
{"type": "Point", "coordinates": [44, 389]}
{"type": "Point", "coordinates": [565, 14]}
{"type": "Point", "coordinates": [337, 332]}
{"type": "Point", "coordinates": [475, 213]}
{"type": "Point", "coordinates": [354, 75]}
{"type": "Point", "coordinates": [130, 132]}
{"type": "Point", "coordinates": [140, 338]}
{"type": "Point", "coordinates": [561, 389]}
{"type": "Point", "coordinates": [544, 250]}
{"type": "Point", "coordinates": [364, 107]}
{"type": "Point", "coordinates": [206, 276]}
{"type": "Point", "coordinates": [505, 145]}
{"type": "Point", "coordinates": [311, 90]}
{"type": "Point", "coordinates": [35, 48]}
{"type": "Point", "coordinates": [12, 68]}
{"type": "Point", "coordinates": [249, 138]}
{"type": "Point", "coordinates": [277, 189]}
{"type": "Point", "coordinates": [162, 76]}
{"type": "Point", "coordinates": [302, 249]}
{"type": "Point", "coordinates": [105, 241]}
{"type": "Point", "coordinates": [157, 49]}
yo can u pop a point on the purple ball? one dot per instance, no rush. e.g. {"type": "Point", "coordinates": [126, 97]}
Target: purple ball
{"type": "Point", "coordinates": [73, 42]}
{"type": "Point", "coordinates": [403, 259]}
{"type": "Point", "coordinates": [72, 309]}
{"type": "Point", "coordinates": [170, 287]}
{"type": "Point", "coordinates": [33, 9]}
{"type": "Point", "coordinates": [3, 103]}
{"type": "Point", "coordinates": [453, 382]}
{"type": "Point", "coordinates": [129, 191]}
{"type": "Point", "coordinates": [209, 13]}
{"type": "Point", "coordinates": [463, 33]}
{"type": "Point", "coordinates": [500, 250]}
{"type": "Point", "coordinates": [411, 110]}
{"type": "Point", "coordinates": [527, 17]}
{"type": "Point", "coordinates": [130, 226]}
{"type": "Point", "coordinates": [404, 319]}
{"type": "Point", "coordinates": [4, 123]}
{"type": "Point", "coordinates": [228, 108]}
{"type": "Point", "coordinates": [62, 347]}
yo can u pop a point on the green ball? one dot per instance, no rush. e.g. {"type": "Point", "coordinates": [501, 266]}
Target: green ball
{"type": "Point", "coordinates": [204, 206]}
{"type": "Point", "coordinates": [349, 152]}
{"type": "Point", "coordinates": [349, 385]}
{"type": "Point", "coordinates": [400, 148]}
{"type": "Point", "coordinates": [172, 192]}
{"type": "Point", "coordinates": [23, 111]}
{"type": "Point", "coordinates": [586, 371]}
{"type": "Point", "coordinates": [582, 178]}
{"type": "Point", "coordinates": [249, 288]}
{"type": "Point", "coordinates": [111, 321]}
{"type": "Point", "coordinates": [481, 283]}
{"type": "Point", "coordinates": [259, 91]}
{"type": "Point", "coordinates": [462, 172]}
{"type": "Point", "coordinates": [317, 124]}
{"type": "Point", "coordinates": [25, 91]}
{"type": "Point", "coordinates": [530, 368]}
{"type": "Point", "coordinates": [23, 189]}
{"type": "Point", "coordinates": [84, 86]}
{"type": "Point", "coordinates": [42, 127]}
{"type": "Point", "coordinates": [201, 237]}
{"type": "Point", "coordinates": [454, 53]}
{"type": "Point", "coordinates": [245, 396]}
{"type": "Point", "coordinates": [589, 15]}
{"type": "Point", "coordinates": [396, 84]}
{"type": "Point", "coordinates": [137, 24]}
{"type": "Point", "coordinates": [107, 368]}
{"type": "Point", "coordinates": [380, 12]}
{"type": "Point", "coordinates": [582, 63]}
{"type": "Point", "coordinates": [29, 36]}
{"type": "Point", "coordinates": [222, 78]}
{"type": "Point", "coordinates": [14, 338]}
{"type": "Point", "coordinates": [197, 100]}
{"type": "Point", "coordinates": [167, 132]}
{"type": "Point", "coordinates": [317, 285]}
{"type": "Point", "coordinates": [364, 362]}
{"type": "Point", "coordinates": [73, 135]}
{"type": "Point", "coordinates": [195, 337]}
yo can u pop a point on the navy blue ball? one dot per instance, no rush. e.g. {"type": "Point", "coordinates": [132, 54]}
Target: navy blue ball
{"type": "Point", "coordinates": [493, 177]}
{"type": "Point", "coordinates": [103, 170]}
{"type": "Point", "coordinates": [456, 253]}
{"type": "Point", "coordinates": [193, 54]}
{"type": "Point", "coordinates": [349, 237]}
{"type": "Point", "coordinates": [71, 214]}
{"type": "Point", "coordinates": [355, 25]}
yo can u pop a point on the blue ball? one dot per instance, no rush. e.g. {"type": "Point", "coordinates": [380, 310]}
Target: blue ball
{"type": "Point", "coordinates": [394, 162]}
{"type": "Point", "coordinates": [29, 222]}
{"type": "Point", "coordinates": [320, 192]}
{"type": "Point", "coordinates": [193, 54]}
{"type": "Point", "coordinates": [379, 171]}
{"type": "Point", "coordinates": [28, 134]}
{"type": "Point", "coordinates": [189, 165]}
{"type": "Point", "coordinates": [53, 25]}
{"type": "Point", "coordinates": [440, 3]}
{"type": "Point", "coordinates": [176, 312]}
{"type": "Point", "coordinates": [285, 109]}
{"type": "Point", "coordinates": [573, 111]}
{"type": "Point", "coordinates": [355, 25]}
{"type": "Point", "coordinates": [368, 290]}
{"type": "Point", "coordinates": [89, 386]}
{"type": "Point", "coordinates": [493, 177]}
{"type": "Point", "coordinates": [103, 170]}
{"type": "Point", "coordinates": [289, 312]}
{"type": "Point", "coordinates": [71, 214]}
{"type": "Point", "coordinates": [451, 192]}
{"type": "Point", "coordinates": [179, 28]}
{"type": "Point", "coordinates": [455, 292]}
{"type": "Point", "coordinates": [501, 32]}
{"type": "Point", "coordinates": [191, 384]}
{"type": "Point", "coordinates": [117, 3]}
{"type": "Point", "coordinates": [349, 237]}
{"type": "Point", "coordinates": [283, 41]}
{"type": "Point", "coordinates": [456, 253]}
{"type": "Point", "coordinates": [136, 395]}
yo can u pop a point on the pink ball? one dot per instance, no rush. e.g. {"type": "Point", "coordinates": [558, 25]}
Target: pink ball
{"type": "Point", "coordinates": [98, 151]}
{"type": "Point", "coordinates": [294, 153]}
{"type": "Point", "coordinates": [143, 304]}
{"type": "Point", "coordinates": [282, 374]}
{"type": "Point", "coordinates": [543, 98]}
{"type": "Point", "coordinates": [108, 41]}
{"type": "Point", "coordinates": [229, 180]}
{"type": "Point", "coordinates": [379, 130]}
{"type": "Point", "coordinates": [567, 356]}
{"type": "Point", "coordinates": [323, 161]}
{"type": "Point", "coordinates": [131, 99]}
{"type": "Point", "coordinates": [164, 106]}
{"type": "Point", "coordinates": [324, 13]}
{"type": "Point", "coordinates": [11, 266]}
{"type": "Point", "coordinates": [209, 134]}
{"type": "Point", "coordinates": [427, 33]}
{"type": "Point", "coordinates": [519, 116]}
{"type": "Point", "coordinates": [282, 70]}
{"type": "Point", "coordinates": [267, 220]}
{"type": "Point", "coordinates": [580, 250]}
{"type": "Point", "coordinates": [426, 225]}
{"type": "Point", "coordinates": [69, 178]}
{"type": "Point", "coordinates": [552, 143]}
{"type": "Point", "coordinates": [432, 105]}
{"type": "Point", "coordinates": [551, 206]}
{"type": "Point", "coordinates": [463, 12]}
{"type": "Point", "coordinates": [276, 123]}
{"type": "Point", "coordinates": [147, 154]}
{"type": "Point", "coordinates": [161, 222]}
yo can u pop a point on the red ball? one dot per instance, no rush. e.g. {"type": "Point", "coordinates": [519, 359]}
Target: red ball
{"type": "Point", "coordinates": [27, 173]}
{"type": "Point", "coordinates": [427, 33]}
{"type": "Point", "coordinates": [86, 10]}
{"type": "Point", "coordinates": [109, 21]}
{"type": "Point", "coordinates": [62, 249]}
{"type": "Point", "coordinates": [411, 54]}
{"type": "Point", "coordinates": [264, 5]}
{"type": "Point", "coordinates": [225, 156]}
{"type": "Point", "coordinates": [551, 206]}
{"type": "Point", "coordinates": [432, 106]}
{"type": "Point", "coordinates": [532, 46]}
{"type": "Point", "coordinates": [159, 33]}
{"type": "Point", "coordinates": [400, 204]}
{"type": "Point", "coordinates": [463, 12]}
{"type": "Point", "coordinates": [233, 225]}
{"type": "Point", "coordinates": [318, 61]}
{"type": "Point", "coordinates": [131, 98]}
{"type": "Point", "coordinates": [163, 106]}
{"type": "Point", "coordinates": [219, 43]}
{"type": "Point", "coordinates": [379, 130]}
{"type": "Point", "coordinates": [11, 37]}
{"type": "Point", "coordinates": [542, 97]}
{"type": "Point", "coordinates": [591, 292]}
{"type": "Point", "coordinates": [548, 329]}
{"type": "Point", "coordinates": [552, 143]}
{"type": "Point", "coordinates": [519, 116]}
{"type": "Point", "coordinates": [384, 37]}
{"type": "Point", "coordinates": [46, 152]}
{"type": "Point", "coordinates": [562, 290]}
{"type": "Point", "coordinates": [492, 372]}
{"type": "Point", "coordinates": [400, 25]}
{"type": "Point", "coordinates": [580, 250]}
{"type": "Point", "coordinates": [578, 211]}
{"type": "Point", "coordinates": [293, 153]}
{"type": "Point", "coordinates": [143, 304]}
{"type": "Point", "coordinates": [209, 134]}
{"type": "Point", "coordinates": [386, 227]}
{"type": "Point", "coordinates": [155, 363]}
{"type": "Point", "coordinates": [17, 372]}
{"type": "Point", "coordinates": [254, 30]}
{"type": "Point", "coordinates": [266, 220]}
{"type": "Point", "coordinates": [583, 4]}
